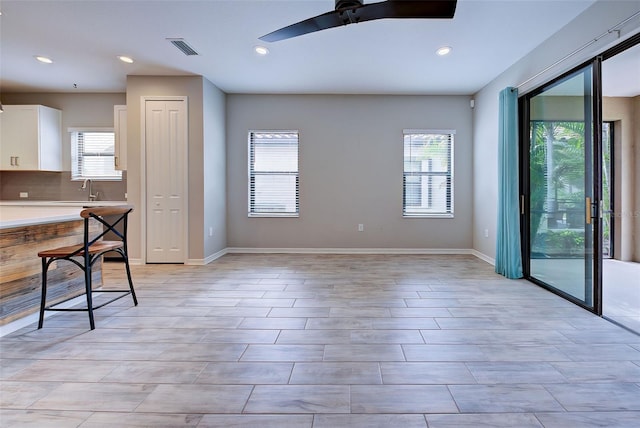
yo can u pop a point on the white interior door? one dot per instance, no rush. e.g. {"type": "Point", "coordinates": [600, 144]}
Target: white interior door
{"type": "Point", "coordinates": [166, 178]}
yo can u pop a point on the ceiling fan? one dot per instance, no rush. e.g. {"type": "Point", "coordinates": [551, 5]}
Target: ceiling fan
{"type": "Point", "coordinates": [354, 11]}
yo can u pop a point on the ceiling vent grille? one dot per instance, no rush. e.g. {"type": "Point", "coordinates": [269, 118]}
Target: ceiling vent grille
{"type": "Point", "coordinates": [183, 47]}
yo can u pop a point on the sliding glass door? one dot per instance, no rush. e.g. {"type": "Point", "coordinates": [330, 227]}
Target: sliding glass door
{"type": "Point", "coordinates": [562, 220]}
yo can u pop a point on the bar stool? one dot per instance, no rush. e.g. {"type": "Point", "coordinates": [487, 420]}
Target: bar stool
{"type": "Point", "coordinates": [86, 254]}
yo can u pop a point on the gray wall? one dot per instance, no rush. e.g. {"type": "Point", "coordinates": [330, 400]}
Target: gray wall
{"type": "Point", "coordinates": [595, 21]}
{"type": "Point", "coordinates": [351, 161]}
{"type": "Point", "coordinates": [214, 170]}
{"type": "Point", "coordinates": [137, 87]}
{"type": "Point", "coordinates": [203, 98]}
{"type": "Point", "coordinates": [78, 110]}
{"type": "Point", "coordinates": [636, 211]}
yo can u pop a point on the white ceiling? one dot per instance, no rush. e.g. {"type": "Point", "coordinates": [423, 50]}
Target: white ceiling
{"type": "Point", "coordinates": [378, 57]}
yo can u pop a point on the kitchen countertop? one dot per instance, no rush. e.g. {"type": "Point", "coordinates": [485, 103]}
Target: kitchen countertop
{"type": "Point", "coordinates": [29, 213]}
{"type": "Point", "coordinates": [28, 203]}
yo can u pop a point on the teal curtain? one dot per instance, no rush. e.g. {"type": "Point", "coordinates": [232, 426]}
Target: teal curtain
{"type": "Point", "coordinates": [508, 253]}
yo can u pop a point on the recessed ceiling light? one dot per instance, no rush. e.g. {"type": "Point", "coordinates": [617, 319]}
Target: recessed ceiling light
{"type": "Point", "coordinates": [261, 50]}
{"type": "Point", "coordinates": [126, 59]}
{"type": "Point", "coordinates": [445, 50]}
{"type": "Point", "coordinates": [44, 59]}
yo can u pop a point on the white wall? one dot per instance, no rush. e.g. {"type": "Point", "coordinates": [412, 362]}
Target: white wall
{"type": "Point", "coordinates": [592, 23]}
{"type": "Point", "coordinates": [351, 161]}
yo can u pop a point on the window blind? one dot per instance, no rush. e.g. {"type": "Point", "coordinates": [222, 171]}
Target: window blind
{"type": "Point", "coordinates": [93, 155]}
{"type": "Point", "coordinates": [273, 173]}
{"type": "Point", "coordinates": [428, 173]}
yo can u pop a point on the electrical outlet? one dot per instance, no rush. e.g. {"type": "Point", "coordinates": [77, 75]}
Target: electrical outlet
{"type": "Point", "coordinates": [24, 194]}
{"type": "Point", "coordinates": [211, 231]}
{"type": "Point", "coordinates": [361, 227]}
{"type": "Point", "coordinates": [486, 233]}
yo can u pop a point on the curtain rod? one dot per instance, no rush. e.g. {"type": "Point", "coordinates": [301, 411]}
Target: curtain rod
{"type": "Point", "coordinates": [614, 29]}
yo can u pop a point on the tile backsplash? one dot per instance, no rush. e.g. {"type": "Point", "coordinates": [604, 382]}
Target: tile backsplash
{"type": "Point", "coordinates": [56, 186]}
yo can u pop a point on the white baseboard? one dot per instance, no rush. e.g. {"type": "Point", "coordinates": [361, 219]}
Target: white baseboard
{"type": "Point", "coordinates": [484, 257]}
{"type": "Point", "coordinates": [267, 250]}
{"type": "Point", "coordinates": [434, 251]}
{"type": "Point", "coordinates": [207, 260]}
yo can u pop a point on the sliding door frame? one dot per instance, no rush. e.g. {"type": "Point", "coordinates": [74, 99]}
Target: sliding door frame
{"type": "Point", "coordinates": [593, 143]}
{"type": "Point", "coordinates": [524, 124]}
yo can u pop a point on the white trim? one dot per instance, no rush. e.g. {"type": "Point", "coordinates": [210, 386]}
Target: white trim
{"type": "Point", "coordinates": [143, 180]}
{"type": "Point", "coordinates": [90, 129]}
{"type": "Point", "coordinates": [484, 257]}
{"type": "Point", "coordinates": [271, 250]}
{"type": "Point", "coordinates": [441, 215]}
{"type": "Point", "coordinates": [428, 131]}
{"type": "Point", "coordinates": [208, 259]}
{"type": "Point", "coordinates": [434, 251]}
{"type": "Point", "coordinates": [273, 215]}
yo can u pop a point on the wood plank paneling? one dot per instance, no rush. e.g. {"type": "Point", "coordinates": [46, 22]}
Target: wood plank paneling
{"type": "Point", "coordinates": [20, 272]}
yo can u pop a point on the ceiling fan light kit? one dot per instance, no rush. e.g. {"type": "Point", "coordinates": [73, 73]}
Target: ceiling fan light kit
{"type": "Point", "coordinates": [354, 11]}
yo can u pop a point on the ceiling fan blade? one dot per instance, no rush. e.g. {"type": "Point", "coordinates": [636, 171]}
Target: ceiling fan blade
{"type": "Point", "coordinates": [321, 22]}
{"type": "Point", "coordinates": [425, 9]}
{"type": "Point", "coordinates": [367, 12]}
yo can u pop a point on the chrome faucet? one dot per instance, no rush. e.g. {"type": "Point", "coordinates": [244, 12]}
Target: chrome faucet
{"type": "Point", "coordinates": [92, 197]}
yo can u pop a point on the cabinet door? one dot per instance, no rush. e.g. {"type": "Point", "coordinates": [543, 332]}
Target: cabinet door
{"type": "Point", "coordinates": [49, 139]}
{"type": "Point", "coordinates": [120, 130]}
{"type": "Point", "coordinates": [19, 138]}
{"type": "Point", "coordinates": [30, 138]}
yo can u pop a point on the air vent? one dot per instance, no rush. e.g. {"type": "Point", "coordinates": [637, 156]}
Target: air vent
{"type": "Point", "coordinates": [183, 46]}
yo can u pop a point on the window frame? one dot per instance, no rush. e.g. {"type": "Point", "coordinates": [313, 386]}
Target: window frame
{"type": "Point", "coordinates": [449, 174]}
{"type": "Point", "coordinates": [77, 175]}
{"type": "Point", "coordinates": [251, 176]}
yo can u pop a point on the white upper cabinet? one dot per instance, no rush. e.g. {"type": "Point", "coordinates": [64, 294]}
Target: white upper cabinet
{"type": "Point", "coordinates": [120, 130]}
{"type": "Point", "coordinates": [30, 138]}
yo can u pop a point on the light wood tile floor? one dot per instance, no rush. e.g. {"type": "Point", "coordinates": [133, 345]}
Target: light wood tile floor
{"type": "Point", "coordinates": [324, 341]}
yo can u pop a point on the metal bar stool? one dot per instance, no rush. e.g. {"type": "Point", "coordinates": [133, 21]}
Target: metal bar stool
{"type": "Point", "coordinates": [86, 254]}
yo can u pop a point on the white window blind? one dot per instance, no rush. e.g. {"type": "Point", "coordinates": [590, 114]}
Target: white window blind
{"type": "Point", "coordinates": [92, 155]}
{"type": "Point", "coordinates": [273, 173]}
{"type": "Point", "coordinates": [428, 173]}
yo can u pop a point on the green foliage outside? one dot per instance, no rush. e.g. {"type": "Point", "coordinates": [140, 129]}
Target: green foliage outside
{"type": "Point", "coordinates": [557, 187]}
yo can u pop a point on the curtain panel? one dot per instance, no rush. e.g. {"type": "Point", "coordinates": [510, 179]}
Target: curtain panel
{"type": "Point", "coordinates": [508, 250]}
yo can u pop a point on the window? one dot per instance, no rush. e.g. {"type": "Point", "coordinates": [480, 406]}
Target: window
{"type": "Point", "coordinates": [92, 155]}
{"type": "Point", "coordinates": [428, 173]}
{"type": "Point", "coordinates": [273, 173]}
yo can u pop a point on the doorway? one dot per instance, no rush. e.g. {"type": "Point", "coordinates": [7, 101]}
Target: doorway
{"type": "Point", "coordinates": [580, 163]}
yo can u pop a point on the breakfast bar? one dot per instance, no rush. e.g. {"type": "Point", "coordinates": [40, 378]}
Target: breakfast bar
{"type": "Point", "coordinates": [24, 231]}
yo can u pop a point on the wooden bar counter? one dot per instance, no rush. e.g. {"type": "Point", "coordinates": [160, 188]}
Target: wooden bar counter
{"type": "Point", "coordinates": [25, 230]}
